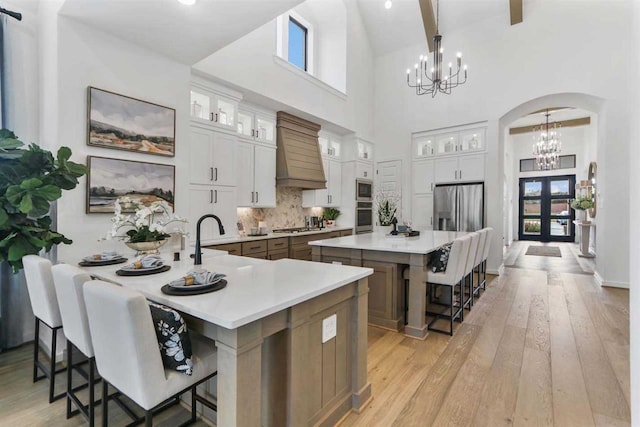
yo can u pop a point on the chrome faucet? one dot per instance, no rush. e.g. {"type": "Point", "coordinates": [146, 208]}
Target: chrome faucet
{"type": "Point", "coordinates": [198, 255]}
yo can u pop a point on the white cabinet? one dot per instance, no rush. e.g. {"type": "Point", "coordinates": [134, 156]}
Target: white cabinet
{"type": "Point", "coordinates": [330, 145]}
{"type": "Point", "coordinates": [220, 201]}
{"type": "Point", "coordinates": [256, 175]}
{"type": "Point", "coordinates": [455, 140]}
{"type": "Point", "coordinates": [422, 177]}
{"type": "Point", "coordinates": [256, 125]}
{"type": "Point", "coordinates": [364, 170]}
{"type": "Point", "coordinates": [365, 150]}
{"type": "Point", "coordinates": [331, 196]}
{"type": "Point", "coordinates": [465, 168]}
{"type": "Point", "coordinates": [212, 157]}
{"type": "Point", "coordinates": [214, 108]}
{"type": "Point", "coordinates": [422, 211]}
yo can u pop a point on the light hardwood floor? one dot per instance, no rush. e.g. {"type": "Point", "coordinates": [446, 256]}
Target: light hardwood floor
{"type": "Point", "coordinates": [540, 347]}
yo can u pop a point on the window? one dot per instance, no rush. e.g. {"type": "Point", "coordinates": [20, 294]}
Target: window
{"type": "Point", "coordinates": [297, 44]}
{"type": "Point", "coordinates": [565, 162]}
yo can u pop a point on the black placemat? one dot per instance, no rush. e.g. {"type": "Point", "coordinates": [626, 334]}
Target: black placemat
{"type": "Point", "coordinates": [166, 289]}
{"type": "Point", "coordinates": [143, 272]}
{"type": "Point", "coordinates": [102, 263]}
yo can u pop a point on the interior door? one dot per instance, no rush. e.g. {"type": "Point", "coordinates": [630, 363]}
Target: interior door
{"type": "Point", "coordinates": [545, 212]}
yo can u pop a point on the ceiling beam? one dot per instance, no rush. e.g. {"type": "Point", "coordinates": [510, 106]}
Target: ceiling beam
{"type": "Point", "coordinates": [583, 121]}
{"type": "Point", "coordinates": [429, 21]}
{"type": "Point", "coordinates": [515, 9]}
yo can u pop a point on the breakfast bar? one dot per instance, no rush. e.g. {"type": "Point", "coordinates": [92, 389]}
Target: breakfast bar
{"type": "Point", "coordinates": [291, 336]}
{"type": "Point", "coordinates": [389, 256]}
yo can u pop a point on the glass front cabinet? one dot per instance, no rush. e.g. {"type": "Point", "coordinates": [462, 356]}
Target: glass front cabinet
{"type": "Point", "coordinates": [256, 125]}
{"type": "Point", "coordinates": [456, 140]}
{"type": "Point", "coordinates": [208, 105]}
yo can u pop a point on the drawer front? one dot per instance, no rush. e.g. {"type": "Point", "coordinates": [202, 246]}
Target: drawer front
{"type": "Point", "coordinates": [277, 244]}
{"type": "Point", "coordinates": [346, 233]}
{"type": "Point", "coordinates": [260, 255]}
{"type": "Point", "coordinates": [332, 235]}
{"type": "Point", "coordinates": [232, 248]}
{"type": "Point", "coordinates": [302, 252]}
{"type": "Point", "coordinates": [278, 254]}
{"type": "Point", "coordinates": [303, 240]}
{"type": "Point", "coordinates": [254, 247]}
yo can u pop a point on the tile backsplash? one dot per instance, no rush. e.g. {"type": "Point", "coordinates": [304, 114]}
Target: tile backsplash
{"type": "Point", "coordinates": [287, 213]}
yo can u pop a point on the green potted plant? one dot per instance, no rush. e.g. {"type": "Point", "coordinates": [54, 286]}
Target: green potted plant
{"type": "Point", "coordinates": [581, 204]}
{"type": "Point", "coordinates": [31, 179]}
{"type": "Point", "coordinates": [330, 215]}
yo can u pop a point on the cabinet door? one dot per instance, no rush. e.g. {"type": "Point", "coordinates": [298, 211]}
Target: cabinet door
{"type": "Point", "coordinates": [201, 105]}
{"type": "Point", "coordinates": [225, 111]}
{"type": "Point", "coordinates": [422, 177]}
{"type": "Point", "coordinates": [322, 196]}
{"type": "Point", "coordinates": [245, 174]}
{"type": "Point", "coordinates": [446, 143]}
{"type": "Point", "coordinates": [245, 123]}
{"type": "Point", "coordinates": [265, 176]}
{"type": "Point", "coordinates": [364, 170]}
{"type": "Point", "coordinates": [200, 148]}
{"type": "Point", "coordinates": [446, 170]}
{"type": "Point", "coordinates": [201, 203]}
{"type": "Point", "coordinates": [335, 182]}
{"type": "Point", "coordinates": [422, 211]}
{"type": "Point", "coordinates": [302, 252]}
{"type": "Point", "coordinates": [472, 140]}
{"type": "Point", "coordinates": [381, 285]}
{"type": "Point", "coordinates": [265, 129]}
{"type": "Point", "coordinates": [224, 159]}
{"type": "Point", "coordinates": [471, 168]}
{"type": "Point", "coordinates": [224, 206]}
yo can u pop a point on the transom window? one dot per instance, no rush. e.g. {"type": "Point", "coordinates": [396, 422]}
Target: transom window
{"type": "Point", "coordinates": [297, 44]}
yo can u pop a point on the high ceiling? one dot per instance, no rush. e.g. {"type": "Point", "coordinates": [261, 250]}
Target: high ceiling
{"type": "Point", "coordinates": [401, 25]}
{"type": "Point", "coordinates": [185, 33]}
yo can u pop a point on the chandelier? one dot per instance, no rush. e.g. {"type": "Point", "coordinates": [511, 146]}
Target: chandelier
{"type": "Point", "coordinates": [547, 145]}
{"type": "Point", "coordinates": [433, 80]}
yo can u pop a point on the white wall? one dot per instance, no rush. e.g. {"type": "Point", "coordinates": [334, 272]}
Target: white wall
{"type": "Point", "coordinates": [85, 56]}
{"type": "Point", "coordinates": [575, 140]}
{"type": "Point", "coordinates": [251, 63]}
{"type": "Point", "coordinates": [553, 51]}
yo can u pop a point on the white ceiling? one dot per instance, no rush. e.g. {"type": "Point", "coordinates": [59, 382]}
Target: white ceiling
{"type": "Point", "coordinates": [402, 26]}
{"type": "Point", "coordinates": [185, 33]}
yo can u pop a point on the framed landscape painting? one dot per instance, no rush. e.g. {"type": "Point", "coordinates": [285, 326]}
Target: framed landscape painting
{"type": "Point", "coordinates": [124, 123]}
{"type": "Point", "coordinates": [143, 182]}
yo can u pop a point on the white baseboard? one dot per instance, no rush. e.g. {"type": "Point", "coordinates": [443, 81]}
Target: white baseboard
{"type": "Point", "coordinates": [609, 284]}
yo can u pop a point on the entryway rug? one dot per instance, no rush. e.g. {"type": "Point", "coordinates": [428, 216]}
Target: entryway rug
{"type": "Point", "coordinates": [553, 251]}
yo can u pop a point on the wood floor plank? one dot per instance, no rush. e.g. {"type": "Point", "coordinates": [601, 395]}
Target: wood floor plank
{"type": "Point", "coordinates": [423, 406]}
{"type": "Point", "coordinates": [604, 390]}
{"type": "Point", "coordinates": [571, 405]}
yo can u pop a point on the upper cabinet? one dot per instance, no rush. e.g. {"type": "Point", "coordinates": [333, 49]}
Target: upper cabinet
{"type": "Point", "coordinates": [214, 105]}
{"type": "Point", "coordinates": [331, 196]}
{"type": "Point", "coordinates": [461, 139]}
{"type": "Point", "coordinates": [256, 125]}
{"type": "Point", "coordinates": [212, 157]}
{"type": "Point", "coordinates": [330, 144]}
{"type": "Point", "coordinates": [256, 175]}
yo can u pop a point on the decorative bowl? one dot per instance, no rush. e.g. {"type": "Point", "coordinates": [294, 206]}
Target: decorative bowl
{"type": "Point", "coordinates": [146, 248]}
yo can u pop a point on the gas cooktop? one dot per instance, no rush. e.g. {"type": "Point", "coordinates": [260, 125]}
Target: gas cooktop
{"type": "Point", "coordinates": [294, 230]}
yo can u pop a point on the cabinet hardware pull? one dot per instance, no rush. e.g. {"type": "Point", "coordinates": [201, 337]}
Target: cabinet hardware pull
{"type": "Point", "coordinates": [257, 133]}
{"type": "Point", "coordinates": [210, 174]}
{"type": "Point", "coordinates": [365, 174]}
{"type": "Point", "coordinates": [211, 116]}
{"type": "Point", "coordinates": [253, 132]}
{"type": "Point", "coordinates": [210, 196]}
{"type": "Point", "coordinates": [257, 196]}
{"type": "Point", "coordinates": [252, 197]}
{"type": "Point", "coordinates": [216, 169]}
{"type": "Point", "coordinates": [254, 247]}
{"type": "Point", "coordinates": [216, 194]}
{"type": "Point", "coordinates": [456, 174]}
{"type": "Point", "coordinates": [461, 174]}
{"type": "Point", "coordinates": [216, 118]}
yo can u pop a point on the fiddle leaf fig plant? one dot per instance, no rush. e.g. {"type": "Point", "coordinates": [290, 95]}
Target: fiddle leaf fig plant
{"type": "Point", "coordinates": [30, 180]}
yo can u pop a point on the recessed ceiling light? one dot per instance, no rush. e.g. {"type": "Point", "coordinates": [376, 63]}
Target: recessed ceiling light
{"type": "Point", "coordinates": [188, 2]}
{"type": "Point", "coordinates": [388, 4]}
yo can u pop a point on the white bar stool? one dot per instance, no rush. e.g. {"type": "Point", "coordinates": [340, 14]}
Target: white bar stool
{"type": "Point", "coordinates": [476, 264]}
{"type": "Point", "coordinates": [44, 304]}
{"type": "Point", "coordinates": [68, 282]}
{"type": "Point", "coordinates": [468, 271]}
{"type": "Point", "coordinates": [127, 354]}
{"type": "Point", "coordinates": [485, 255]}
{"type": "Point", "coordinates": [450, 278]}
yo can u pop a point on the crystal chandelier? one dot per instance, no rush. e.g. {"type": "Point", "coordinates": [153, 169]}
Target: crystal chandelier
{"type": "Point", "coordinates": [433, 80]}
{"type": "Point", "coordinates": [547, 145]}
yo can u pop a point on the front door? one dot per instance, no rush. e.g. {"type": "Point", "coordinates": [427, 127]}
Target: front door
{"type": "Point", "coordinates": [545, 212]}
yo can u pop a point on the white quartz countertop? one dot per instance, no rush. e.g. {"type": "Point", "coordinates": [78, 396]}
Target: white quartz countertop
{"type": "Point", "coordinates": [426, 242]}
{"type": "Point", "coordinates": [256, 288]}
{"type": "Point", "coordinates": [240, 239]}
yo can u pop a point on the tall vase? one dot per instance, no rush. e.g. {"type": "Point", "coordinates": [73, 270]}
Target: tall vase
{"type": "Point", "coordinates": [581, 215]}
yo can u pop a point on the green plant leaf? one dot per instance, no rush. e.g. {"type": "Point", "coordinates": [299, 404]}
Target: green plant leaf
{"type": "Point", "coordinates": [49, 192]}
{"type": "Point", "coordinates": [40, 207]}
{"type": "Point", "coordinates": [26, 204]}
{"type": "Point", "coordinates": [30, 184]}
{"type": "Point", "coordinates": [64, 154]}
{"type": "Point", "coordinates": [10, 144]}
{"type": "Point", "coordinates": [4, 217]}
{"type": "Point", "coordinates": [20, 248]}
{"type": "Point", "coordinates": [4, 242]}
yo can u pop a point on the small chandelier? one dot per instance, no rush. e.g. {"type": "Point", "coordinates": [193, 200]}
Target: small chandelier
{"type": "Point", "coordinates": [433, 80]}
{"type": "Point", "coordinates": [547, 145]}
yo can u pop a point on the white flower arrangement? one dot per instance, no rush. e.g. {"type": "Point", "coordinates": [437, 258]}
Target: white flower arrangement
{"type": "Point", "coordinates": [387, 204]}
{"type": "Point", "coordinates": [148, 223]}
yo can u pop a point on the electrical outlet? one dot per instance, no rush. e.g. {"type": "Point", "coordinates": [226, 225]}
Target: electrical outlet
{"type": "Point", "coordinates": [329, 327]}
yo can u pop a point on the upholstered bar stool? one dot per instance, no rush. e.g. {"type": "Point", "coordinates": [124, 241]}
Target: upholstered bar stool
{"type": "Point", "coordinates": [44, 304]}
{"type": "Point", "coordinates": [485, 255]}
{"type": "Point", "coordinates": [450, 278]}
{"type": "Point", "coordinates": [476, 265]}
{"type": "Point", "coordinates": [68, 282]}
{"type": "Point", "coordinates": [467, 282]}
{"type": "Point", "coordinates": [127, 355]}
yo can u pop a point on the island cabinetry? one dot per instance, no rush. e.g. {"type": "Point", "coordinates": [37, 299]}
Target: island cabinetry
{"type": "Point", "coordinates": [278, 248]}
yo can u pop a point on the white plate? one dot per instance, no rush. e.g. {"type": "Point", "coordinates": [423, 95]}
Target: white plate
{"type": "Point", "coordinates": [194, 286]}
{"type": "Point", "coordinates": [92, 259]}
{"type": "Point", "coordinates": [131, 268]}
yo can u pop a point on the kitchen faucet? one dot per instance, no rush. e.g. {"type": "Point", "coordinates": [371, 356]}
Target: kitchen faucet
{"type": "Point", "coordinates": [198, 255]}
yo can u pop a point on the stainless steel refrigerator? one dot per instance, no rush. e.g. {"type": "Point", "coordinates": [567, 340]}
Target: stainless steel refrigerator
{"type": "Point", "coordinates": [458, 207]}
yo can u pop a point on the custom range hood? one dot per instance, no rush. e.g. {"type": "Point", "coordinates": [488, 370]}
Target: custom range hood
{"type": "Point", "coordinates": [298, 161]}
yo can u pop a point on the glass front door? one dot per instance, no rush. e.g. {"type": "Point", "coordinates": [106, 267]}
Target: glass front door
{"type": "Point", "coordinates": [545, 212]}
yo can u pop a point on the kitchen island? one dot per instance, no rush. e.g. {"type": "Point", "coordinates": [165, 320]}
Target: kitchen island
{"type": "Point", "coordinates": [275, 366]}
{"type": "Point", "coordinates": [389, 256]}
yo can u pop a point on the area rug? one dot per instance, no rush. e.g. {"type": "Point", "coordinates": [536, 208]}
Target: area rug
{"type": "Point", "coordinates": [553, 251]}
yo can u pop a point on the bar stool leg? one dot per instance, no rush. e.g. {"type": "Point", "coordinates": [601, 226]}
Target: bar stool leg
{"type": "Point", "coordinates": [69, 377]}
{"type": "Point", "coordinates": [52, 363]}
{"type": "Point", "coordinates": [36, 350]}
{"type": "Point", "coordinates": [92, 380]}
{"type": "Point", "coordinates": [105, 402]}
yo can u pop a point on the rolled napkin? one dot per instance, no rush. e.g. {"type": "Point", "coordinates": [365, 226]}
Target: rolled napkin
{"type": "Point", "coordinates": [103, 256]}
{"type": "Point", "coordinates": [197, 277]}
{"type": "Point", "coordinates": [147, 261]}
